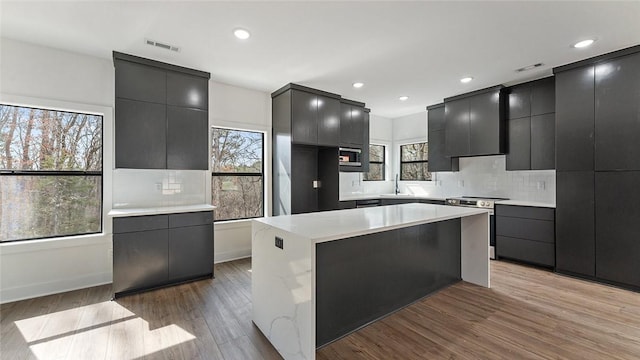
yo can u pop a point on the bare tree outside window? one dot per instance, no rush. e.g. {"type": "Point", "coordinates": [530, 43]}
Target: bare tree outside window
{"type": "Point", "coordinates": [414, 161]}
{"type": "Point", "coordinates": [237, 186]}
{"type": "Point", "coordinates": [50, 173]}
{"type": "Point", "coordinates": [376, 164]}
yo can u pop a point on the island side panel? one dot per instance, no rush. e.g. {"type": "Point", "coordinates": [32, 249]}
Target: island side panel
{"type": "Point", "coordinates": [475, 249]}
{"type": "Point", "coordinates": [281, 289]}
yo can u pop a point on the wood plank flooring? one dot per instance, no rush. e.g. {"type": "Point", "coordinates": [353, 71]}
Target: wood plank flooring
{"type": "Point", "coordinates": [527, 314]}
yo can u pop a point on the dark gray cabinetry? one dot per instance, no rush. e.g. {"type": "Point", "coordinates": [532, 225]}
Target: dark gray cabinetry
{"type": "Point", "coordinates": [304, 112]}
{"type": "Point", "coordinates": [351, 124]}
{"type": "Point", "coordinates": [526, 234]}
{"type": "Point", "coordinates": [438, 160]}
{"type": "Point", "coordinates": [618, 227]}
{"type": "Point", "coordinates": [304, 171]}
{"type": "Point", "coordinates": [347, 204]}
{"type": "Point", "coordinates": [161, 118]}
{"type": "Point", "coordinates": [531, 126]}
{"type": "Point", "coordinates": [159, 250]}
{"type": "Point", "coordinates": [474, 123]}
{"type": "Point", "coordinates": [140, 134]}
{"type": "Point", "coordinates": [411, 201]}
{"type": "Point", "coordinates": [314, 115]}
{"type": "Point", "coordinates": [617, 114]}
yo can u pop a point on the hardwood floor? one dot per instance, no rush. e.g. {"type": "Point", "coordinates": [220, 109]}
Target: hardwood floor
{"type": "Point", "coordinates": [527, 314]}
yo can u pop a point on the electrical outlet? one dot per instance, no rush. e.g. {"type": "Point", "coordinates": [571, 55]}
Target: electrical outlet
{"type": "Point", "coordinates": [279, 242]}
{"type": "Point", "coordinates": [540, 185]}
{"type": "Point", "coordinates": [460, 183]}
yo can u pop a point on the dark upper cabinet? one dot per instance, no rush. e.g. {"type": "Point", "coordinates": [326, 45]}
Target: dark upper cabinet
{"type": "Point", "coordinates": [474, 123]}
{"type": "Point", "coordinates": [438, 160]}
{"type": "Point", "coordinates": [304, 114]}
{"type": "Point", "coordinates": [140, 82]}
{"type": "Point", "coordinates": [575, 216]}
{"type": "Point", "coordinates": [617, 114]}
{"type": "Point", "coordinates": [186, 139]}
{"type": "Point", "coordinates": [519, 144]}
{"type": "Point", "coordinates": [543, 96]}
{"type": "Point", "coordinates": [457, 127]}
{"type": "Point", "coordinates": [575, 119]}
{"type": "Point", "coordinates": [365, 141]}
{"type": "Point", "coordinates": [543, 142]}
{"type": "Point", "coordinates": [351, 125]}
{"type": "Point", "coordinates": [328, 121]}
{"type": "Point", "coordinates": [141, 132]}
{"type": "Point", "coordinates": [617, 227]}
{"type": "Point", "coordinates": [519, 102]}
{"type": "Point", "coordinates": [187, 90]}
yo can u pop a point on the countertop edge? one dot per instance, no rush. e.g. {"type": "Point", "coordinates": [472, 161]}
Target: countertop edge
{"type": "Point", "coordinates": [526, 203]}
{"type": "Point", "coordinates": [159, 210]}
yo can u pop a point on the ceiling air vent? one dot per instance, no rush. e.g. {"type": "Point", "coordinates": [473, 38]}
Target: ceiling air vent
{"type": "Point", "coordinates": [530, 67]}
{"type": "Point", "coordinates": [161, 45]}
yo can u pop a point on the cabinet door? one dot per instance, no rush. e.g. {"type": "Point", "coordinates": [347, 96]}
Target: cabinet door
{"type": "Point", "coordinates": [304, 170]}
{"type": "Point", "coordinates": [140, 260]}
{"type": "Point", "coordinates": [617, 118]}
{"type": "Point", "coordinates": [187, 139]}
{"type": "Point", "coordinates": [519, 102]}
{"type": "Point", "coordinates": [304, 123]}
{"type": "Point", "coordinates": [328, 121]}
{"type": "Point", "coordinates": [190, 251]}
{"type": "Point", "coordinates": [457, 127]}
{"type": "Point", "coordinates": [365, 142]}
{"type": "Point", "coordinates": [543, 142]}
{"type": "Point", "coordinates": [543, 96]}
{"type": "Point", "coordinates": [187, 90]}
{"type": "Point", "coordinates": [575, 233]}
{"type": "Point", "coordinates": [617, 227]}
{"type": "Point", "coordinates": [351, 125]}
{"type": "Point", "coordinates": [435, 118]}
{"type": "Point", "coordinates": [485, 124]}
{"type": "Point", "coordinates": [575, 119]}
{"type": "Point", "coordinates": [140, 82]}
{"type": "Point", "coordinates": [519, 144]}
{"type": "Point", "coordinates": [140, 131]}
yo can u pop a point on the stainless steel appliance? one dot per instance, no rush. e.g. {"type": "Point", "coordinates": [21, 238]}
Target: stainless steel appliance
{"type": "Point", "coordinates": [483, 203]}
{"type": "Point", "coordinates": [349, 156]}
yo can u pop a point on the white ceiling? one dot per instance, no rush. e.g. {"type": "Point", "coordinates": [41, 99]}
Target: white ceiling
{"type": "Point", "coordinates": [418, 49]}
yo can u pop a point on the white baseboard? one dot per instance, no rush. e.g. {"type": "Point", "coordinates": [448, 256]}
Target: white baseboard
{"type": "Point", "coordinates": [42, 289]}
{"type": "Point", "coordinates": [232, 255]}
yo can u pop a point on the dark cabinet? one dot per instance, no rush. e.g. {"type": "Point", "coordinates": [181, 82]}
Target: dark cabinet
{"type": "Point", "coordinates": [161, 118]}
{"type": "Point", "coordinates": [474, 123]}
{"type": "Point", "coordinates": [351, 124]}
{"type": "Point", "coordinates": [531, 126]}
{"type": "Point", "coordinates": [347, 204]}
{"type": "Point", "coordinates": [617, 227]}
{"type": "Point", "coordinates": [315, 119]}
{"type": "Point", "coordinates": [159, 250]}
{"type": "Point", "coordinates": [186, 139]}
{"type": "Point", "coordinates": [617, 114]}
{"type": "Point", "coordinates": [526, 233]}
{"type": "Point", "coordinates": [304, 172]}
{"type": "Point", "coordinates": [575, 217]}
{"type": "Point", "coordinates": [328, 121]}
{"type": "Point", "coordinates": [438, 160]}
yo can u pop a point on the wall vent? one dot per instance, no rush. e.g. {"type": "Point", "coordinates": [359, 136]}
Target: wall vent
{"type": "Point", "coordinates": [161, 45]}
{"type": "Point", "coordinates": [530, 67]}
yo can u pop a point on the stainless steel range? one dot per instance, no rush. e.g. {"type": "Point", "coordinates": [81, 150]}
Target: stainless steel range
{"type": "Point", "coordinates": [484, 203]}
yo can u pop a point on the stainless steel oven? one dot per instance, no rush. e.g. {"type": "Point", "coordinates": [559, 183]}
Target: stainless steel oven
{"type": "Point", "coordinates": [483, 203]}
{"type": "Point", "coordinates": [350, 156]}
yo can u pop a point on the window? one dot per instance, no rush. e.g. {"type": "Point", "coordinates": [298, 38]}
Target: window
{"type": "Point", "coordinates": [376, 164]}
{"type": "Point", "coordinates": [414, 160]}
{"type": "Point", "coordinates": [237, 184]}
{"type": "Point", "coordinates": [50, 173]}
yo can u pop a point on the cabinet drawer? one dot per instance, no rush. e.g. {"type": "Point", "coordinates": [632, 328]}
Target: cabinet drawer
{"type": "Point", "coordinates": [532, 229]}
{"type": "Point", "coordinates": [433, 201]}
{"type": "Point", "coordinates": [140, 223]}
{"type": "Point", "coordinates": [525, 250]}
{"type": "Point", "coordinates": [528, 212]}
{"type": "Point", "coordinates": [190, 219]}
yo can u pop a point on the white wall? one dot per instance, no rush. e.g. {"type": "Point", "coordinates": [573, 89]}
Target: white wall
{"type": "Point", "coordinates": [41, 76]}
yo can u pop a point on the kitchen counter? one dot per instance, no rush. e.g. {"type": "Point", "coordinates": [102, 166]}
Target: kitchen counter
{"type": "Point", "coordinates": [317, 277]}
{"type": "Point", "coordinates": [526, 203]}
{"type": "Point", "coordinates": [389, 196]}
{"type": "Point", "coordinates": [159, 210]}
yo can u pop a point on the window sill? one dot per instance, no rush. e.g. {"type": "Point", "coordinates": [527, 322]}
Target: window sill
{"type": "Point", "coordinates": [53, 243]}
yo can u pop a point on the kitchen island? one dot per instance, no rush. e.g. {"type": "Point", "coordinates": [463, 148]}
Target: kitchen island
{"type": "Point", "coordinates": [319, 276]}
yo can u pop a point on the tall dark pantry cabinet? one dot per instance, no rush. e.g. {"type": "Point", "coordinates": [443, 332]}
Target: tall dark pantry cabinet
{"type": "Point", "coordinates": [598, 168]}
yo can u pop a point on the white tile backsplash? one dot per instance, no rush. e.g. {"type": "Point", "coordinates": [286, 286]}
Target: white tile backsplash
{"type": "Point", "coordinates": [137, 188]}
{"type": "Point", "coordinates": [478, 176]}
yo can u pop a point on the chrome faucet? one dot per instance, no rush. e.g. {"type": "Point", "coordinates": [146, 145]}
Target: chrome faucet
{"type": "Point", "coordinates": [397, 190]}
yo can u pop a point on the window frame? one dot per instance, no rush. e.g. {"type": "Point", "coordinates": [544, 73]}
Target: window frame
{"type": "Point", "coordinates": [414, 161]}
{"type": "Point", "coordinates": [383, 163]}
{"type": "Point", "coordinates": [90, 173]}
{"type": "Point", "coordinates": [254, 174]}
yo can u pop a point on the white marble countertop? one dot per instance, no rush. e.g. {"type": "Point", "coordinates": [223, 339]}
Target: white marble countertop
{"type": "Point", "coordinates": [388, 196]}
{"type": "Point", "coordinates": [338, 224]}
{"type": "Point", "coordinates": [160, 210]}
{"type": "Point", "coordinates": [526, 203]}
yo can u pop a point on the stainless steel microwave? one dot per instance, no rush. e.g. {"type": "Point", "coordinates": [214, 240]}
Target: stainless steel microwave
{"type": "Point", "coordinates": [350, 157]}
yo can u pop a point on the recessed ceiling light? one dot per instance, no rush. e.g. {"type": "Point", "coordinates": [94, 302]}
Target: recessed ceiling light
{"type": "Point", "coordinates": [403, 98]}
{"type": "Point", "coordinates": [465, 80]}
{"type": "Point", "coordinates": [583, 43]}
{"type": "Point", "coordinates": [358, 85]}
{"type": "Point", "coordinates": [241, 34]}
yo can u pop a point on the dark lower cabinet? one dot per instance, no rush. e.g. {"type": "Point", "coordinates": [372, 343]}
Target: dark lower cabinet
{"type": "Point", "coordinates": [457, 127]}
{"type": "Point", "coordinates": [438, 159]}
{"type": "Point", "coordinates": [575, 217]}
{"type": "Point", "coordinates": [618, 227]}
{"type": "Point", "coordinates": [160, 250]}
